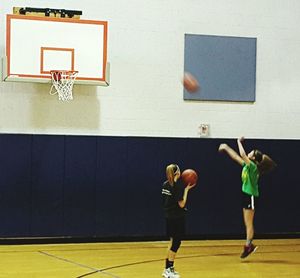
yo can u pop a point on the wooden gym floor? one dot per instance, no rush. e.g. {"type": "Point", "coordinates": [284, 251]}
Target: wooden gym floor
{"type": "Point", "coordinates": [196, 259]}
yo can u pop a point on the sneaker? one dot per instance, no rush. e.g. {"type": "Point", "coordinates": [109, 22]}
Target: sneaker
{"type": "Point", "coordinates": [170, 273]}
{"type": "Point", "coordinates": [248, 250]}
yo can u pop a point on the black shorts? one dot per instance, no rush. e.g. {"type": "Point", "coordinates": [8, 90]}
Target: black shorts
{"type": "Point", "coordinates": [248, 201]}
{"type": "Point", "coordinates": [175, 227]}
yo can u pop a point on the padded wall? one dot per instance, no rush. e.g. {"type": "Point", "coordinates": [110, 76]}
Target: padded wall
{"type": "Point", "coordinates": [89, 186]}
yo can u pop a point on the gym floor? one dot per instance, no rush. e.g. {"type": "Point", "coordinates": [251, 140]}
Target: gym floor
{"type": "Point", "coordinates": [213, 258]}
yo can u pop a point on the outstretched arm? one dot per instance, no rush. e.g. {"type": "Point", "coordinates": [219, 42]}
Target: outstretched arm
{"type": "Point", "coordinates": [242, 151]}
{"type": "Point", "coordinates": [232, 153]}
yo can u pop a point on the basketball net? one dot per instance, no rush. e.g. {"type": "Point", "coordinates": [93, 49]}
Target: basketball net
{"type": "Point", "coordinates": [62, 83]}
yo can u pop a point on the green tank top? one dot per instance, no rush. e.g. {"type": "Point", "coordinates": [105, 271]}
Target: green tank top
{"type": "Point", "coordinates": [250, 177]}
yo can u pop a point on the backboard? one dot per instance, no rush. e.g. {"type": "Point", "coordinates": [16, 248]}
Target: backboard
{"type": "Point", "coordinates": [37, 45]}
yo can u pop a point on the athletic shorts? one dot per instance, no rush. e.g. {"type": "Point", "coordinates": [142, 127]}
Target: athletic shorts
{"type": "Point", "coordinates": [175, 227]}
{"type": "Point", "coordinates": [248, 201]}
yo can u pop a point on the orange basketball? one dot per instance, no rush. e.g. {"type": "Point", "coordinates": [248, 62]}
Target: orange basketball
{"type": "Point", "coordinates": [190, 83]}
{"type": "Point", "coordinates": [189, 176]}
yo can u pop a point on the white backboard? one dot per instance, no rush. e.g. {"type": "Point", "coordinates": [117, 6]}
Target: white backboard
{"type": "Point", "coordinates": [36, 45]}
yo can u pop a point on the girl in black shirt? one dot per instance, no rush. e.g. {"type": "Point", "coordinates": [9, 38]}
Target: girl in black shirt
{"type": "Point", "coordinates": [174, 195]}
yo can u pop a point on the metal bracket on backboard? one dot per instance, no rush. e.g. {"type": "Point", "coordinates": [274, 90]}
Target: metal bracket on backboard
{"type": "Point", "coordinates": [3, 68]}
{"type": "Point", "coordinates": [107, 74]}
{"type": "Point", "coordinates": [17, 78]}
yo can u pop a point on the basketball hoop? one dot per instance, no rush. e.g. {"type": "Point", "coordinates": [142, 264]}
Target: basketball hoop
{"type": "Point", "coordinates": [62, 82]}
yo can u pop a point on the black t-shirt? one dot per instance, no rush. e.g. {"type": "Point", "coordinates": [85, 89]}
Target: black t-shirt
{"type": "Point", "coordinates": [170, 197]}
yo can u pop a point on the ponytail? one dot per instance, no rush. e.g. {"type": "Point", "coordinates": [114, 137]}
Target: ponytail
{"type": "Point", "coordinates": [266, 165]}
{"type": "Point", "coordinates": [171, 171]}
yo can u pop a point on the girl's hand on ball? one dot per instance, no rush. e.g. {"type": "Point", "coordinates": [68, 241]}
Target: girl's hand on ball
{"type": "Point", "coordinates": [190, 186]}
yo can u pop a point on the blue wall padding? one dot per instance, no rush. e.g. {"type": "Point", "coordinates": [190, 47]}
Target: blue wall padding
{"type": "Point", "coordinates": [47, 184]}
{"type": "Point", "coordinates": [94, 186]}
{"type": "Point", "coordinates": [79, 189]}
{"type": "Point", "coordinates": [15, 185]}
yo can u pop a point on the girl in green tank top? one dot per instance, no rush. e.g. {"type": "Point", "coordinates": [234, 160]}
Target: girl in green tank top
{"type": "Point", "coordinates": [254, 164]}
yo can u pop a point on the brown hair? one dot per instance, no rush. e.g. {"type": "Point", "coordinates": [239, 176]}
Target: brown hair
{"type": "Point", "coordinates": [266, 165]}
{"type": "Point", "coordinates": [171, 170]}
{"type": "Point", "coordinates": [258, 156]}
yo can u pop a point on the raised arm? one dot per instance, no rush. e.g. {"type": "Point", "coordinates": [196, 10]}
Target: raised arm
{"type": "Point", "coordinates": [232, 153]}
{"type": "Point", "coordinates": [242, 151]}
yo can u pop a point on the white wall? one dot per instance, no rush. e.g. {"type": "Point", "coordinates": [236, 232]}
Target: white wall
{"type": "Point", "coordinates": [146, 49]}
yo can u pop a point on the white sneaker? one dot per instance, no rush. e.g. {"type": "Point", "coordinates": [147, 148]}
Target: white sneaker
{"type": "Point", "coordinates": [170, 273]}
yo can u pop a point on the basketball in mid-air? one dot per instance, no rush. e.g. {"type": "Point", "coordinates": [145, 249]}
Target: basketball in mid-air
{"type": "Point", "coordinates": [189, 176]}
{"type": "Point", "coordinates": [190, 82]}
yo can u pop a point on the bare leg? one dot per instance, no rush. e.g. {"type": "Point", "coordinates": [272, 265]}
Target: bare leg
{"type": "Point", "coordinates": [248, 220]}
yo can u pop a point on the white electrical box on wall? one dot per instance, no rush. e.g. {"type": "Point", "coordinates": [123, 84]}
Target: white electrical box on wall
{"type": "Point", "coordinates": [204, 130]}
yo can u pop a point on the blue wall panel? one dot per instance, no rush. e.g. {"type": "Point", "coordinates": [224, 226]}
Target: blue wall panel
{"type": "Point", "coordinates": [224, 66]}
{"type": "Point", "coordinates": [48, 168]}
{"type": "Point", "coordinates": [143, 179]}
{"type": "Point", "coordinates": [80, 185]}
{"type": "Point", "coordinates": [89, 186]}
{"type": "Point", "coordinates": [15, 185]}
{"type": "Point", "coordinates": [112, 193]}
